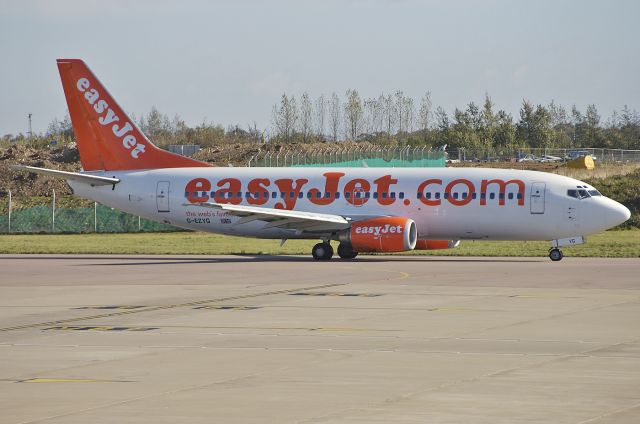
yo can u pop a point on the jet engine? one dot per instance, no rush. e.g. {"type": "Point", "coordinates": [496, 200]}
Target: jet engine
{"type": "Point", "coordinates": [385, 234]}
{"type": "Point", "coordinates": [436, 244]}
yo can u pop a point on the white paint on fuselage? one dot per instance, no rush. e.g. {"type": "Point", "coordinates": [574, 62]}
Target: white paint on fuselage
{"type": "Point", "coordinates": [563, 216]}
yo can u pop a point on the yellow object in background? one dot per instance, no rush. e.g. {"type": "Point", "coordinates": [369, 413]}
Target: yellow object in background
{"type": "Point", "coordinates": [583, 162]}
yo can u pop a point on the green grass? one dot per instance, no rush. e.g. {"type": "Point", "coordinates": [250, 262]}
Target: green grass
{"type": "Point", "coordinates": [608, 244]}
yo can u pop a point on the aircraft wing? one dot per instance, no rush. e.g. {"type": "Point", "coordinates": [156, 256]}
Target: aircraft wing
{"type": "Point", "coordinates": [282, 218]}
{"type": "Point", "coordinates": [93, 180]}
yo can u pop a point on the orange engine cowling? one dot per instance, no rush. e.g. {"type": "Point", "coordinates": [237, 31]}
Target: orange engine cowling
{"type": "Point", "coordinates": [387, 234]}
{"type": "Point", "coordinates": [436, 244]}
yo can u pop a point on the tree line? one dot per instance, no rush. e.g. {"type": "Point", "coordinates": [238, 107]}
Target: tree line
{"type": "Point", "coordinates": [397, 118]}
{"type": "Point", "coordinates": [391, 119]}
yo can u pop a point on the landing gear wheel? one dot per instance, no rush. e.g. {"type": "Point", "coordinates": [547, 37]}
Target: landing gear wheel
{"type": "Point", "coordinates": [346, 252]}
{"type": "Point", "coordinates": [322, 251]}
{"type": "Point", "coordinates": [555, 254]}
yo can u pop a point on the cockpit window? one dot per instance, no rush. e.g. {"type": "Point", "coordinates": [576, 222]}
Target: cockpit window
{"type": "Point", "coordinates": [579, 194]}
{"type": "Point", "coordinates": [583, 194]}
{"type": "Point", "coordinates": [594, 193]}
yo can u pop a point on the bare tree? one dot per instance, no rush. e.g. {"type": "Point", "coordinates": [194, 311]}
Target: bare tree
{"type": "Point", "coordinates": [285, 117]}
{"type": "Point", "coordinates": [372, 116]}
{"type": "Point", "coordinates": [353, 113]}
{"type": "Point", "coordinates": [400, 111]}
{"type": "Point", "coordinates": [321, 110]}
{"type": "Point", "coordinates": [409, 113]}
{"type": "Point", "coordinates": [334, 116]}
{"type": "Point", "coordinates": [425, 113]}
{"type": "Point", "coordinates": [388, 112]}
{"type": "Point", "coordinates": [306, 117]}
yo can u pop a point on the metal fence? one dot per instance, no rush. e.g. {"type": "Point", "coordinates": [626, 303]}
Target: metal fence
{"type": "Point", "coordinates": [424, 156]}
{"type": "Point", "coordinates": [541, 154]}
{"type": "Point", "coordinates": [183, 149]}
{"type": "Point", "coordinates": [353, 156]}
{"type": "Point", "coordinates": [67, 214]}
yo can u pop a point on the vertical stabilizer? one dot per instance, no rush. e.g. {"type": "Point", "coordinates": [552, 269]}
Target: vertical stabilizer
{"type": "Point", "coordinates": [107, 138]}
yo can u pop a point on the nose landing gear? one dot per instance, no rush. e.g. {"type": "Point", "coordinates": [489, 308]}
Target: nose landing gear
{"type": "Point", "coordinates": [555, 254]}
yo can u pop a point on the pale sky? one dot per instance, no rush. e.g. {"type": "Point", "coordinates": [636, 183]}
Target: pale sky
{"type": "Point", "coordinates": [229, 61]}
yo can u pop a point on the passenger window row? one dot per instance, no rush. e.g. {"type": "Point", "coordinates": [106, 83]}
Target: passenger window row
{"type": "Point", "coordinates": [291, 195]}
{"type": "Point", "coordinates": [356, 195]}
{"type": "Point", "coordinates": [464, 195]}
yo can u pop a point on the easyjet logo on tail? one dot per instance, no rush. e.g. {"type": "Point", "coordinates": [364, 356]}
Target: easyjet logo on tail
{"type": "Point", "coordinates": [109, 118]}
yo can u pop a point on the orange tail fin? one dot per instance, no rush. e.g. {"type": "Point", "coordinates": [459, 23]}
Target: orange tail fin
{"type": "Point", "coordinates": [107, 138]}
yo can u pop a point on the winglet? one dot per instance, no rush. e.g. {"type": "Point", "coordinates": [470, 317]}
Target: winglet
{"type": "Point", "coordinates": [107, 138]}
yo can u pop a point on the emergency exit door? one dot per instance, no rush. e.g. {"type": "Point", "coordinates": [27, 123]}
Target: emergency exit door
{"type": "Point", "coordinates": [537, 197]}
{"type": "Point", "coordinates": [162, 196]}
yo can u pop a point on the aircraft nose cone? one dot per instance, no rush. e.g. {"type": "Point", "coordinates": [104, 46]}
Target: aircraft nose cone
{"type": "Point", "coordinates": [617, 213]}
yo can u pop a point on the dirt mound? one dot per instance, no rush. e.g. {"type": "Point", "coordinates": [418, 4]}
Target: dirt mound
{"type": "Point", "coordinates": [28, 184]}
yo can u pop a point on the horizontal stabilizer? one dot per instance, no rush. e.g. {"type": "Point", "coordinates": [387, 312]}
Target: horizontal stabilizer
{"type": "Point", "coordinates": [93, 180]}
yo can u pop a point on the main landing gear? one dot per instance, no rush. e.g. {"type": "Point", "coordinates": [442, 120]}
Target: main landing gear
{"type": "Point", "coordinates": [346, 252]}
{"type": "Point", "coordinates": [323, 251]}
{"type": "Point", "coordinates": [555, 254]}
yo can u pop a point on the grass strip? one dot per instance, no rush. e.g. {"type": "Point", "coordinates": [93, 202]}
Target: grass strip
{"type": "Point", "coordinates": [614, 244]}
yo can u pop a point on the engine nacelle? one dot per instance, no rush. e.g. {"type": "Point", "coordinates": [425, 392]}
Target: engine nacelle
{"type": "Point", "coordinates": [386, 234]}
{"type": "Point", "coordinates": [436, 244]}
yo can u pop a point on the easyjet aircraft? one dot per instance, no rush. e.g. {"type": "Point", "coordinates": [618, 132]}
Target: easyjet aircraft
{"type": "Point", "coordinates": [363, 209]}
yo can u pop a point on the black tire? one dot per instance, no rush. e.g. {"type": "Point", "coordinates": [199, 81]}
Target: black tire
{"type": "Point", "coordinates": [346, 252]}
{"type": "Point", "coordinates": [555, 255]}
{"type": "Point", "coordinates": [322, 252]}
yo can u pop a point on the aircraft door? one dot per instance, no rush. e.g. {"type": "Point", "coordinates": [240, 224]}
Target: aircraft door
{"type": "Point", "coordinates": [162, 196]}
{"type": "Point", "coordinates": [537, 197]}
{"type": "Point", "coordinates": [358, 197]}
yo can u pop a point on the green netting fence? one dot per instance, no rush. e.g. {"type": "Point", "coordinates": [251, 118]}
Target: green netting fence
{"type": "Point", "coordinates": [25, 217]}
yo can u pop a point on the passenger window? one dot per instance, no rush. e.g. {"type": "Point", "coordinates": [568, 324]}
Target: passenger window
{"type": "Point", "coordinates": [501, 196]}
{"type": "Point", "coordinates": [375, 194]}
{"type": "Point", "coordinates": [337, 195]}
{"type": "Point", "coordinates": [483, 195]}
{"type": "Point", "coordinates": [455, 195]}
{"type": "Point", "coordinates": [274, 195]}
{"type": "Point", "coordinates": [510, 196]}
{"type": "Point", "coordinates": [318, 194]}
{"type": "Point", "coordinates": [464, 195]}
{"type": "Point", "coordinates": [384, 195]}
{"type": "Point", "coordinates": [438, 195]}
{"type": "Point", "coordinates": [429, 195]}
{"type": "Point", "coordinates": [347, 195]}
{"type": "Point", "coordinates": [446, 195]}
{"type": "Point", "coordinates": [327, 195]}
{"type": "Point", "coordinates": [519, 196]}
{"type": "Point", "coordinates": [419, 195]}
{"type": "Point", "coordinates": [300, 195]}
{"type": "Point", "coordinates": [309, 195]}
{"type": "Point", "coordinates": [401, 195]}
{"type": "Point", "coordinates": [473, 195]}
{"type": "Point", "coordinates": [367, 195]}
{"type": "Point", "coordinates": [393, 195]}
{"type": "Point", "coordinates": [291, 194]}
{"type": "Point", "coordinates": [492, 195]}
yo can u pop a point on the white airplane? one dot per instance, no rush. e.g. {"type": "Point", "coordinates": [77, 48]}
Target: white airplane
{"type": "Point", "coordinates": [363, 209]}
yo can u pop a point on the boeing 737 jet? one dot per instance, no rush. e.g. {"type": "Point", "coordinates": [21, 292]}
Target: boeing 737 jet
{"type": "Point", "coordinates": [363, 209]}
